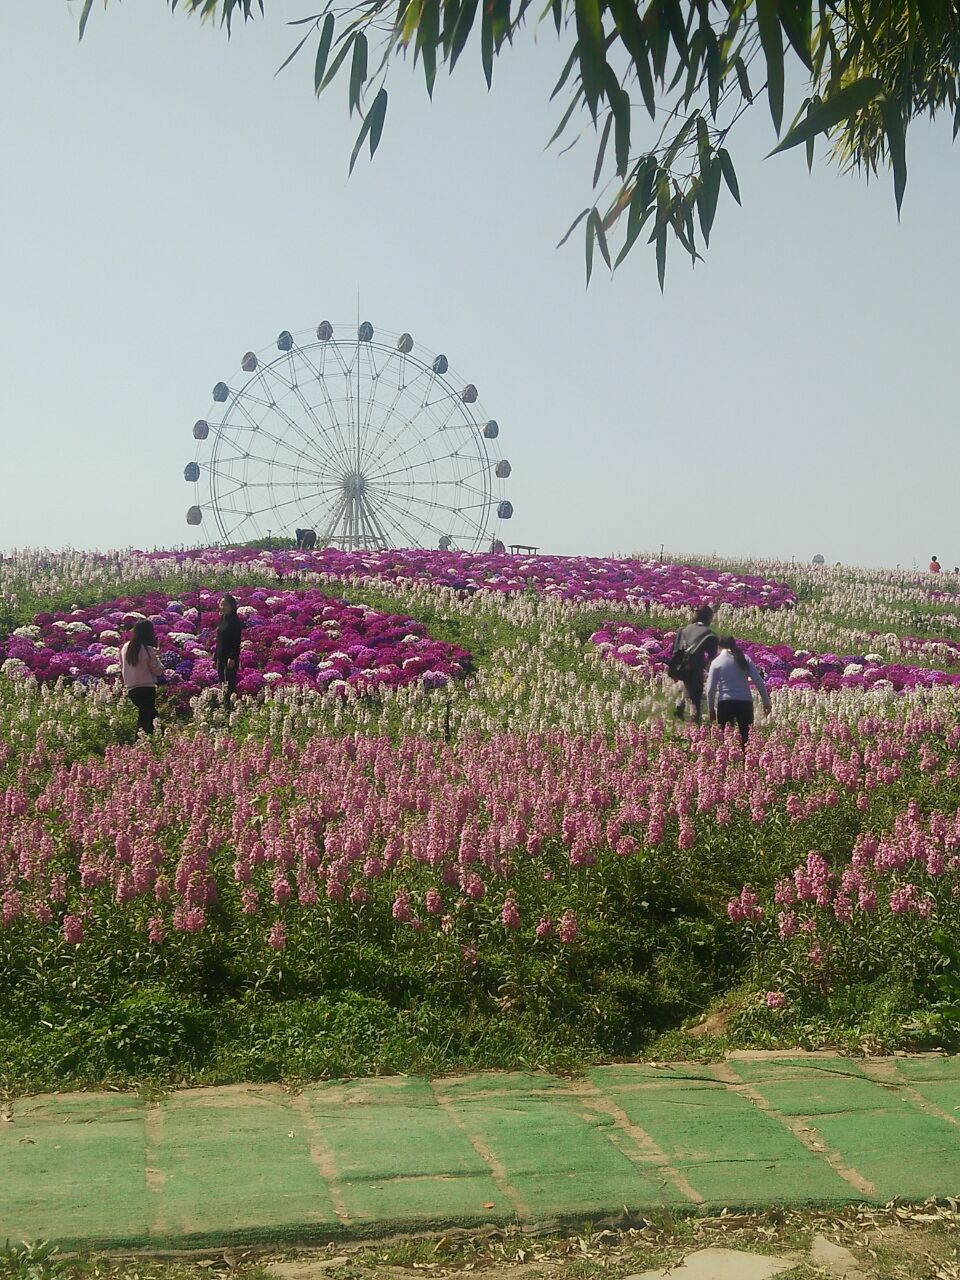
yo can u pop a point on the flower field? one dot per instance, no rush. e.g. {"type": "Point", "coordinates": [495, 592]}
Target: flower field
{"type": "Point", "coordinates": [452, 821]}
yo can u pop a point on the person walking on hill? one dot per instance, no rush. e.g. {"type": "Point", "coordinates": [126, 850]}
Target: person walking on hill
{"type": "Point", "coordinates": [141, 668]}
{"type": "Point", "coordinates": [228, 647]}
{"type": "Point", "coordinates": [694, 647]}
{"type": "Point", "coordinates": [729, 696]}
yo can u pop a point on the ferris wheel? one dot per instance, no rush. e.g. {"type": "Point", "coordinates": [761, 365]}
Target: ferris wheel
{"type": "Point", "coordinates": [358, 438]}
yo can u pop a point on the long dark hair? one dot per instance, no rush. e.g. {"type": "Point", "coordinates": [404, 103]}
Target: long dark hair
{"type": "Point", "coordinates": [231, 603]}
{"type": "Point", "coordinates": [728, 642]}
{"type": "Point", "coordinates": [141, 635]}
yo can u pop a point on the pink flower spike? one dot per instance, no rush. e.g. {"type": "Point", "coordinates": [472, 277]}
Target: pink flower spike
{"type": "Point", "coordinates": [73, 930]}
{"type": "Point", "coordinates": [567, 932]}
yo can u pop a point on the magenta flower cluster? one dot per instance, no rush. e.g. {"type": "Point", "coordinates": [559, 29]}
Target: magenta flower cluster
{"type": "Point", "coordinates": [301, 637]}
{"type": "Point", "coordinates": [568, 577]}
{"type": "Point", "coordinates": [780, 665]}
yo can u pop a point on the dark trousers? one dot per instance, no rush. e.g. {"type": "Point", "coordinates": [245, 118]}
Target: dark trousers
{"type": "Point", "coordinates": [738, 713]}
{"type": "Point", "coordinates": [692, 689]}
{"type": "Point", "coordinates": [228, 676]}
{"type": "Point", "coordinates": [145, 700]}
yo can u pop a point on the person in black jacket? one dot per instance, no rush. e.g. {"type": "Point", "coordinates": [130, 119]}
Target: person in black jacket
{"type": "Point", "coordinates": [228, 647]}
{"type": "Point", "coordinates": [694, 649]}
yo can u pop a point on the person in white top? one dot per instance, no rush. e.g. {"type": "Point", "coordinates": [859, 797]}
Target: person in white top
{"type": "Point", "coordinates": [729, 696]}
{"type": "Point", "coordinates": [141, 668]}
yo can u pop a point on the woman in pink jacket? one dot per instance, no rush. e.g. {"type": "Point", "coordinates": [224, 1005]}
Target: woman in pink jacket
{"type": "Point", "coordinates": [141, 668]}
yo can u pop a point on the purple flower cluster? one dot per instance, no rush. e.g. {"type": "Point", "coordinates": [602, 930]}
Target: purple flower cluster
{"type": "Point", "coordinates": [299, 637]}
{"type": "Point", "coordinates": [780, 665]}
{"type": "Point", "coordinates": [569, 577]}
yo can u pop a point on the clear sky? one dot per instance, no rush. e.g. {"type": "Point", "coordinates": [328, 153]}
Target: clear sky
{"type": "Point", "coordinates": [167, 204]}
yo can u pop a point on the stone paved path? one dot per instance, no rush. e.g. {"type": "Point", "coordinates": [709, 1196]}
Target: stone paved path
{"type": "Point", "coordinates": [255, 1163]}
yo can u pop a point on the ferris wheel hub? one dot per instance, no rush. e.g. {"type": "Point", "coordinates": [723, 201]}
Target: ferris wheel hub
{"type": "Point", "coordinates": [354, 484]}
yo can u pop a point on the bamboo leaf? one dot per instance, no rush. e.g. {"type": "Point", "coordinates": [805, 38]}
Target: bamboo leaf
{"type": "Point", "coordinates": [565, 73]}
{"type": "Point", "coordinates": [358, 69]}
{"type": "Point", "coordinates": [378, 113]}
{"type": "Point", "coordinates": [411, 20]}
{"type": "Point", "coordinates": [772, 41]}
{"type": "Point", "coordinates": [602, 148]}
{"type": "Point", "coordinates": [323, 51]}
{"type": "Point", "coordinates": [729, 173]}
{"type": "Point", "coordinates": [896, 145]}
{"type": "Point", "coordinates": [592, 51]}
{"type": "Point", "coordinates": [565, 119]}
{"type": "Point", "coordinates": [619, 101]}
{"type": "Point", "coordinates": [339, 59]}
{"type": "Point", "coordinates": [796, 17]}
{"type": "Point", "coordinates": [661, 254]}
{"type": "Point", "coordinates": [839, 106]}
{"type": "Point", "coordinates": [601, 235]}
{"type": "Point", "coordinates": [572, 227]}
{"type": "Point", "coordinates": [85, 14]}
{"type": "Point", "coordinates": [461, 33]}
{"type": "Point", "coordinates": [741, 69]}
{"type": "Point", "coordinates": [703, 144]}
{"type": "Point", "coordinates": [290, 56]}
{"type": "Point", "coordinates": [630, 29]}
{"type": "Point", "coordinates": [486, 44]}
{"type": "Point", "coordinates": [372, 125]}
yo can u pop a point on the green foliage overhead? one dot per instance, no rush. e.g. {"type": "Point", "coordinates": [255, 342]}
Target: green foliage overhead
{"type": "Point", "coordinates": [662, 84]}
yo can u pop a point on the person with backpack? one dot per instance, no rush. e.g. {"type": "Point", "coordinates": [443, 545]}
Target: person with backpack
{"type": "Point", "coordinates": [729, 696]}
{"type": "Point", "coordinates": [694, 648]}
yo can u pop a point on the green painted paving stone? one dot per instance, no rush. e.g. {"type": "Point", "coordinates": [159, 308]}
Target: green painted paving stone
{"type": "Point", "coordinates": [399, 1156]}
{"type": "Point", "coordinates": [903, 1152]}
{"type": "Point", "coordinates": [560, 1158]}
{"type": "Point", "coordinates": [72, 1170]}
{"type": "Point", "coordinates": [932, 1069]}
{"type": "Point", "coordinates": [228, 1164]}
{"type": "Point", "coordinates": [935, 1079]}
{"type": "Point", "coordinates": [494, 1082]}
{"type": "Point", "coordinates": [623, 1075]}
{"type": "Point", "coordinates": [750, 1069]}
{"type": "Point", "coordinates": [425, 1202]}
{"type": "Point", "coordinates": [727, 1149]}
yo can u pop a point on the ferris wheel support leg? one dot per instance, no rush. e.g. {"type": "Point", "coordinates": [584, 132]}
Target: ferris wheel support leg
{"type": "Point", "coordinates": [331, 525]}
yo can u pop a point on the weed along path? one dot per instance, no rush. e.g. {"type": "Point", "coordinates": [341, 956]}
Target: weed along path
{"type": "Point", "coordinates": [260, 1163]}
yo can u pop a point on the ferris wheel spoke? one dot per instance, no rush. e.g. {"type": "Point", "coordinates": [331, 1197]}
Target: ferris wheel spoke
{"type": "Point", "coordinates": [344, 450]}
{"type": "Point", "coordinates": [310, 411]}
{"type": "Point", "coordinates": [417, 444]}
{"type": "Point", "coordinates": [424, 462]}
{"type": "Point", "coordinates": [372, 449]}
{"type": "Point", "coordinates": [314, 455]}
{"type": "Point", "coordinates": [320, 445]}
{"type": "Point", "coordinates": [270, 406]}
{"type": "Point", "coordinates": [409, 423]}
{"type": "Point", "coordinates": [420, 519]}
{"type": "Point", "coordinates": [280, 441]}
{"type": "Point", "coordinates": [393, 514]}
{"type": "Point", "coordinates": [459, 508]}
